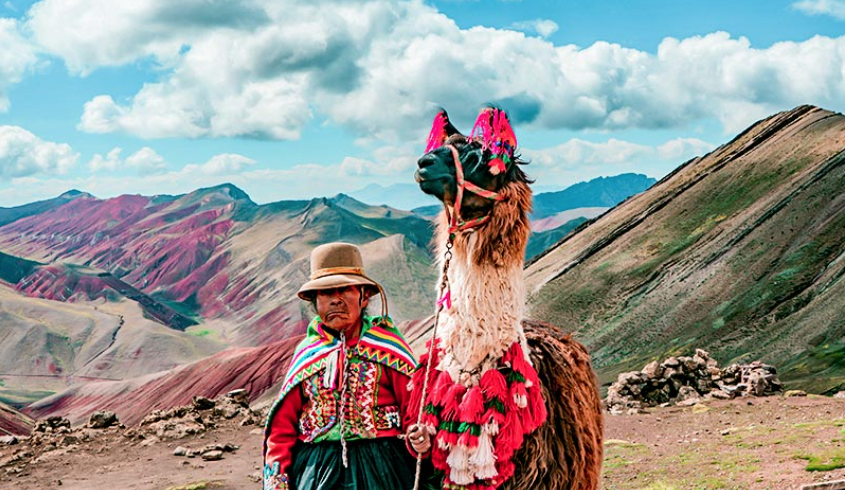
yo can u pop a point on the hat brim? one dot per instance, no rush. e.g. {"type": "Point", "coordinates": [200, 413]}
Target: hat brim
{"type": "Point", "coordinates": [308, 289]}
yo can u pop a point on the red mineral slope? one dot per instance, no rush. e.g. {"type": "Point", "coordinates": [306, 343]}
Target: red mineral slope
{"type": "Point", "coordinates": [215, 256]}
{"type": "Point", "coordinates": [14, 423]}
{"type": "Point", "coordinates": [255, 369]}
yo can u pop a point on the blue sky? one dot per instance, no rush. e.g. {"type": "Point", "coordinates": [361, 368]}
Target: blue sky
{"type": "Point", "coordinates": [292, 100]}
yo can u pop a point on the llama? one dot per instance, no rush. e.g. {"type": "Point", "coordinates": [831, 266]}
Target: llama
{"type": "Point", "coordinates": [511, 403]}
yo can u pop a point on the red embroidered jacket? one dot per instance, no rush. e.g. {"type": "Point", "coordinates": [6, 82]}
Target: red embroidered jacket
{"type": "Point", "coordinates": [377, 368]}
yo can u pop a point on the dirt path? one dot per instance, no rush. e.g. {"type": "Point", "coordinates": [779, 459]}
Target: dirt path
{"type": "Point", "coordinates": [753, 443]}
{"type": "Point", "coordinates": [732, 445]}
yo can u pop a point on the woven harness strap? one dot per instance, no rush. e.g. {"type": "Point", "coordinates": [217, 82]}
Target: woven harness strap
{"type": "Point", "coordinates": [456, 223]}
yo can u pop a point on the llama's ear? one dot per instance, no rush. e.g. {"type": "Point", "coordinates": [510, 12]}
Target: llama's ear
{"type": "Point", "coordinates": [442, 129]}
{"type": "Point", "coordinates": [493, 130]}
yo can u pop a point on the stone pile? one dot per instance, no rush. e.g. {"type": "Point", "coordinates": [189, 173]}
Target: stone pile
{"type": "Point", "coordinates": [54, 436]}
{"type": "Point", "coordinates": [201, 415]}
{"type": "Point", "coordinates": [687, 380]}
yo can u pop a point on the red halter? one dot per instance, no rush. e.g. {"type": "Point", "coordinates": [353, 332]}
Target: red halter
{"type": "Point", "coordinates": [456, 224]}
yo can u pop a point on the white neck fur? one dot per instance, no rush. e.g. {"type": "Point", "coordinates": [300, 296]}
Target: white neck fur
{"type": "Point", "coordinates": [484, 320]}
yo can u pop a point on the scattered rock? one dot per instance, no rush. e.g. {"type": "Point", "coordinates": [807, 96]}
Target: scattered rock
{"type": "Point", "coordinates": [52, 424]}
{"type": "Point", "coordinates": [9, 440]}
{"type": "Point", "coordinates": [239, 396]}
{"type": "Point", "coordinates": [213, 456]}
{"type": "Point", "coordinates": [202, 403]}
{"type": "Point", "coordinates": [790, 393]}
{"type": "Point", "coordinates": [102, 419]}
{"type": "Point", "coordinates": [180, 451]}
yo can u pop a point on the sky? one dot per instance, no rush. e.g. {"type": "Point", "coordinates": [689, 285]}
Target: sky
{"type": "Point", "coordinates": [293, 100]}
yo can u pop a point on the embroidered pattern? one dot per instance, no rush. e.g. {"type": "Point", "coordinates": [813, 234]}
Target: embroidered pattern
{"type": "Point", "coordinates": [361, 397]}
{"type": "Point", "coordinates": [320, 413]}
{"type": "Point", "coordinates": [273, 480]}
{"type": "Point", "coordinates": [387, 417]}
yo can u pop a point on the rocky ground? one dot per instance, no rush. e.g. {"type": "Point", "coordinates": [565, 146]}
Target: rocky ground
{"type": "Point", "coordinates": [744, 443]}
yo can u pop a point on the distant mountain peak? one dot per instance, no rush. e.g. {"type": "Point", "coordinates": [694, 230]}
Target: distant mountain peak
{"type": "Point", "coordinates": [73, 194]}
{"type": "Point", "coordinates": [226, 189]}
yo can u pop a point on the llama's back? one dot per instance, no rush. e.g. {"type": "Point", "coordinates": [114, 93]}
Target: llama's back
{"type": "Point", "coordinates": [566, 451]}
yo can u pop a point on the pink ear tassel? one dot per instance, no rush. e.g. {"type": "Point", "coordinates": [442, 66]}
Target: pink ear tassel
{"type": "Point", "coordinates": [437, 135]}
{"type": "Point", "coordinates": [496, 135]}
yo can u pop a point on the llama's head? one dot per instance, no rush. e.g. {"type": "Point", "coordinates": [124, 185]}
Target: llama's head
{"type": "Point", "coordinates": [479, 180]}
{"type": "Point", "coordinates": [487, 157]}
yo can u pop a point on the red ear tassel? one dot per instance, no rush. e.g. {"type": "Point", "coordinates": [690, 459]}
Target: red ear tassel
{"type": "Point", "coordinates": [437, 135]}
{"type": "Point", "coordinates": [495, 132]}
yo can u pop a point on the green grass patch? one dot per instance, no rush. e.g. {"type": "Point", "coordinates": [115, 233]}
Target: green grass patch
{"type": "Point", "coordinates": [199, 333]}
{"type": "Point", "coordinates": [820, 423]}
{"type": "Point", "coordinates": [825, 462]}
{"type": "Point", "coordinates": [659, 485]}
{"type": "Point", "coordinates": [200, 485]}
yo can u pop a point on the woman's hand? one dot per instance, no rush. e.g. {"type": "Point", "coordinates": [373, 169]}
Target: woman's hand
{"type": "Point", "coordinates": [419, 438]}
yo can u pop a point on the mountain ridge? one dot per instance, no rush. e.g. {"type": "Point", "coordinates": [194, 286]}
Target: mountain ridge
{"type": "Point", "coordinates": [659, 262]}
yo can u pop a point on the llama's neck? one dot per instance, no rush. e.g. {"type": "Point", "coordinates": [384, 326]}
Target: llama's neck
{"type": "Point", "coordinates": [484, 319]}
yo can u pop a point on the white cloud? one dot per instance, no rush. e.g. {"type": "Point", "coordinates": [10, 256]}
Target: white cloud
{"type": "Point", "coordinates": [380, 68]}
{"type": "Point", "coordinates": [578, 160]}
{"type": "Point", "coordinates": [89, 34]}
{"type": "Point", "coordinates": [834, 8]}
{"type": "Point", "coordinates": [543, 27]}
{"type": "Point", "coordinates": [23, 153]}
{"type": "Point", "coordinates": [223, 164]}
{"type": "Point", "coordinates": [110, 162]}
{"type": "Point", "coordinates": [145, 161]}
{"type": "Point", "coordinates": [681, 149]}
{"type": "Point", "coordinates": [578, 152]}
{"type": "Point", "coordinates": [17, 56]}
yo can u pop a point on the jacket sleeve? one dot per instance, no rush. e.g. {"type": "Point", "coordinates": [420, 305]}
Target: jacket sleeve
{"type": "Point", "coordinates": [280, 442]}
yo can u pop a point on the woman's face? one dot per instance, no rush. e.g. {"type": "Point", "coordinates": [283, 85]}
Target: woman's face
{"type": "Point", "coordinates": [341, 308]}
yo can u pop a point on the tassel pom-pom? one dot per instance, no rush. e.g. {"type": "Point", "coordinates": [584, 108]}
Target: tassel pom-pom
{"type": "Point", "coordinates": [518, 360]}
{"type": "Point", "coordinates": [468, 440]}
{"type": "Point", "coordinates": [440, 392]}
{"type": "Point", "coordinates": [496, 166]}
{"type": "Point", "coordinates": [493, 385]}
{"type": "Point", "coordinates": [505, 468]}
{"type": "Point", "coordinates": [518, 393]}
{"type": "Point", "coordinates": [439, 459]}
{"type": "Point", "coordinates": [472, 408]}
{"type": "Point", "coordinates": [537, 410]}
{"type": "Point", "coordinates": [510, 436]}
{"type": "Point", "coordinates": [458, 461]}
{"type": "Point", "coordinates": [493, 416]}
{"type": "Point", "coordinates": [451, 402]}
{"type": "Point", "coordinates": [483, 459]}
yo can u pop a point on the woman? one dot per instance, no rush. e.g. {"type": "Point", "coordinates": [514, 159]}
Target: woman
{"type": "Point", "coordinates": [338, 418]}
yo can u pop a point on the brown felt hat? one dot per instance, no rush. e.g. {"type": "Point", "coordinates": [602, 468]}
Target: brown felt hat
{"type": "Point", "coordinates": [337, 265]}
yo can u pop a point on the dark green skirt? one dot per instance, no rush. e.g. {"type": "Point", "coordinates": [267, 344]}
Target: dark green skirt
{"type": "Point", "coordinates": [374, 464]}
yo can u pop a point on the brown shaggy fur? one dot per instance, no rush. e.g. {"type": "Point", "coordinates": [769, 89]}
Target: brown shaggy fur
{"type": "Point", "coordinates": [566, 452]}
{"type": "Point", "coordinates": [503, 239]}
